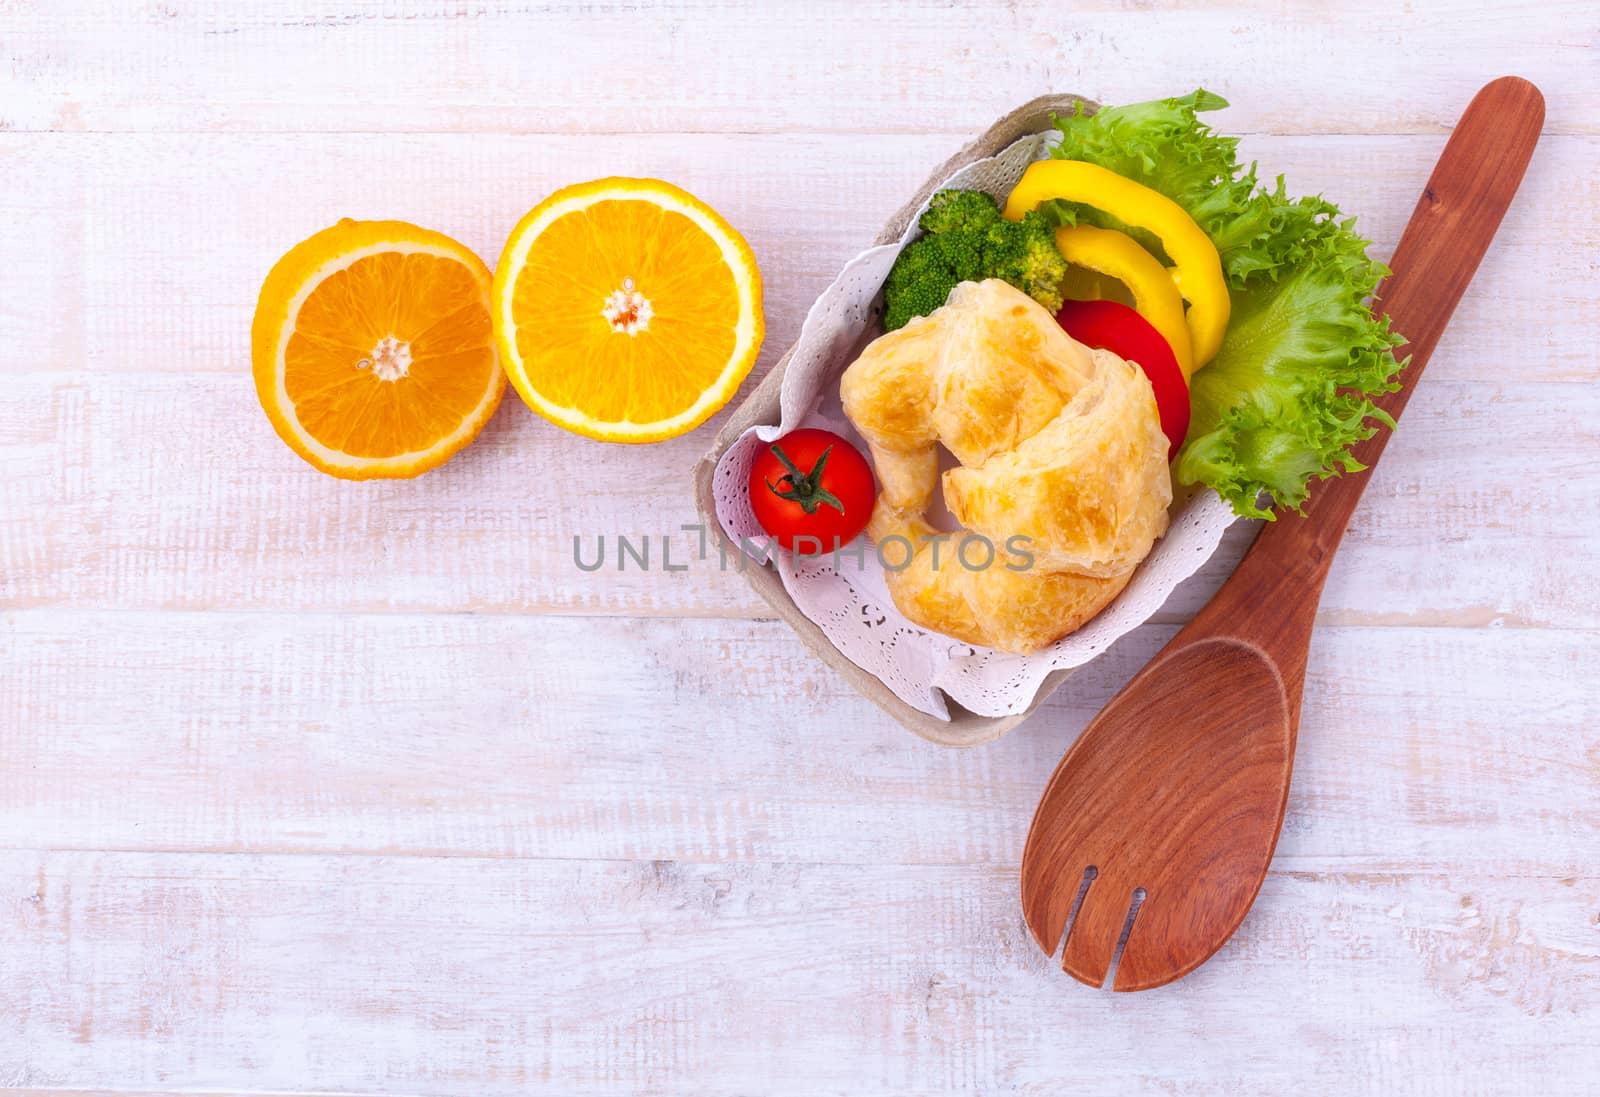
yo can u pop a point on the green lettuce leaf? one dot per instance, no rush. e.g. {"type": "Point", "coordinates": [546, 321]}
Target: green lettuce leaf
{"type": "Point", "coordinates": [1290, 391]}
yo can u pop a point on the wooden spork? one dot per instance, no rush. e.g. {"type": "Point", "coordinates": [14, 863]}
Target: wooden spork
{"type": "Point", "coordinates": [1155, 831]}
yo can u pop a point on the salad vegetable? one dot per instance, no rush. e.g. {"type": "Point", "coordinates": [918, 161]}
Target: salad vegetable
{"type": "Point", "coordinates": [1289, 391]}
{"type": "Point", "coordinates": [1155, 295]}
{"type": "Point", "coordinates": [1196, 268]}
{"type": "Point", "coordinates": [966, 240]}
{"type": "Point", "coordinates": [1125, 333]}
{"type": "Point", "coordinates": [812, 491]}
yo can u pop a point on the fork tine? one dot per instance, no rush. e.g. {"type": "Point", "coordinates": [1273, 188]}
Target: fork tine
{"type": "Point", "coordinates": [1214, 899]}
{"type": "Point", "coordinates": [1145, 963]}
{"type": "Point", "coordinates": [1049, 910]}
{"type": "Point", "coordinates": [1093, 942]}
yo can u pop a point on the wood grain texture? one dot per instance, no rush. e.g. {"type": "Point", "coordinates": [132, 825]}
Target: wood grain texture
{"type": "Point", "coordinates": [563, 737]}
{"type": "Point", "coordinates": [772, 67]}
{"type": "Point", "coordinates": [305, 788]}
{"type": "Point", "coordinates": [456, 976]}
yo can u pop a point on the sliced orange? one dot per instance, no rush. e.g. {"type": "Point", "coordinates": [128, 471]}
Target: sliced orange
{"type": "Point", "coordinates": [373, 349]}
{"type": "Point", "coordinates": [627, 309]}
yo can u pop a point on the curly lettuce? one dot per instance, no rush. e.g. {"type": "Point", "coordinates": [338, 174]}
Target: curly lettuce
{"type": "Point", "coordinates": [1291, 389]}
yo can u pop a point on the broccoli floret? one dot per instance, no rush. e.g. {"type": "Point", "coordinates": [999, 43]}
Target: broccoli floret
{"type": "Point", "coordinates": [955, 252]}
{"type": "Point", "coordinates": [919, 283]}
{"type": "Point", "coordinates": [960, 210]}
{"type": "Point", "coordinates": [1031, 261]}
{"type": "Point", "coordinates": [927, 270]}
{"type": "Point", "coordinates": [965, 239]}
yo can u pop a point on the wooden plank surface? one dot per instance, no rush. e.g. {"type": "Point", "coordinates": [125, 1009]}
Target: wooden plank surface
{"type": "Point", "coordinates": [773, 67]}
{"type": "Point", "coordinates": [310, 787]}
{"type": "Point", "coordinates": [461, 976]}
{"type": "Point", "coordinates": [530, 737]}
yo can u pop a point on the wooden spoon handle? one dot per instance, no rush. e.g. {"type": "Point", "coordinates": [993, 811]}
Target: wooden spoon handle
{"type": "Point", "coordinates": [1449, 232]}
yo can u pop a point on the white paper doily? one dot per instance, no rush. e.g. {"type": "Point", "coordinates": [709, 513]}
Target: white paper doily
{"type": "Point", "coordinates": [850, 603]}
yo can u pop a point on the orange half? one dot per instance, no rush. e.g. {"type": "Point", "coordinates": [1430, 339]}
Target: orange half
{"type": "Point", "coordinates": [627, 310]}
{"type": "Point", "coordinates": [374, 351]}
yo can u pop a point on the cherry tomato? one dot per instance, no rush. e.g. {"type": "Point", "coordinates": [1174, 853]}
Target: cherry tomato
{"type": "Point", "coordinates": [1116, 327]}
{"type": "Point", "coordinates": [813, 485]}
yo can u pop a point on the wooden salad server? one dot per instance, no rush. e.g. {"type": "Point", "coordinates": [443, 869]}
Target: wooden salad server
{"type": "Point", "coordinates": [1154, 833]}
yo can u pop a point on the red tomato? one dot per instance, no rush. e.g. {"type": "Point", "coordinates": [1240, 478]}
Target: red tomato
{"type": "Point", "coordinates": [812, 484]}
{"type": "Point", "coordinates": [1114, 326]}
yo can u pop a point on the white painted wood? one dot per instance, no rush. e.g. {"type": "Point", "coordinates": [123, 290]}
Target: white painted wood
{"type": "Point", "coordinates": [707, 740]}
{"type": "Point", "coordinates": [460, 976]}
{"type": "Point", "coordinates": [310, 787]}
{"type": "Point", "coordinates": [777, 66]}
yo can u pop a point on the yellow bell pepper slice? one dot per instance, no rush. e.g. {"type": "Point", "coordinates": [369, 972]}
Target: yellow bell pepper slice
{"type": "Point", "coordinates": [1155, 295]}
{"type": "Point", "coordinates": [1197, 269]}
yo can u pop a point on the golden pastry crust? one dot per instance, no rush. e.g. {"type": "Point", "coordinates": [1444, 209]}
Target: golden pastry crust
{"type": "Point", "coordinates": [1007, 605]}
{"type": "Point", "coordinates": [1058, 444]}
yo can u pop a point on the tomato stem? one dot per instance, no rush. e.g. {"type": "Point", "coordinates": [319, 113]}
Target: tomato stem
{"type": "Point", "coordinates": [805, 488]}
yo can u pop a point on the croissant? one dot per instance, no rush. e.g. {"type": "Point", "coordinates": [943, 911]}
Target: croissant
{"type": "Point", "coordinates": [1062, 468]}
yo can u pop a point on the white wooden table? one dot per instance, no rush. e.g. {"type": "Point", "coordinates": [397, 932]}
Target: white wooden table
{"type": "Point", "coordinates": [313, 786]}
